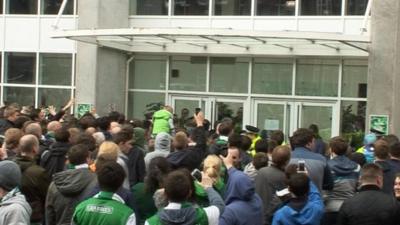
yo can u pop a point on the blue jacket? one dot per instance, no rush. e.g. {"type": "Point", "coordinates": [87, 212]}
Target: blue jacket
{"type": "Point", "coordinates": [310, 214]}
{"type": "Point", "coordinates": [243, 205]}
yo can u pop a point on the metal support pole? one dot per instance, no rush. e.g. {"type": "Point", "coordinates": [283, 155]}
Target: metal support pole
{"type": "Point", "coordinates": [60, 12]}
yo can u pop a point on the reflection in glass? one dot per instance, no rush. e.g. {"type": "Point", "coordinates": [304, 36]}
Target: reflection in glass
{"type": "Point", "coordinates": [1, 6]}
{"type": "Point", "coordinates": [188, 73]}
{"type": "Point", "coordinates": [317, 77]}
{"type": "Point", "coordinates": [232, 7]}
{"type": "Point", "coordinates": [149, 7]}
{"type": "Point", "coordinates": [20, 68]}
{"type": "Point", "coordinates": [21, 6]}
{"type": "Point", "coordinates": [52, 96]}
{"type": "Point", "coordinates": [233, 110]}
{"type": "Point", "coordinates": [184, 111]}
{"type": "Point", "coordinates": [272, 76]}
{"type": "Point", "coordinates": [275, 7]}
{"type": "Point", "coordinates": [354, 78]}
{"type": "Point", "coordinates": [142, 105]}
{"type": "Point", "coordinates": [21, 95]}
{"type": "Point", "coordinates": [53, 6]}
{"type": "Point", "coordinates": [320, 116]}
{"type": "Point", "coordinates": [352, 127]}
{"type": "Point", "coordinates": [191, 7]}
{"type": "Point", "coordinates": [320, 7]}
{"type": "Point", "coordinates": [229, 74]}
{"type": "Point", "coordinates": [55, 69]}
{"type": "Point", "coordinates": [147, 72]}
{"type": "Point", "coordinates": [270, 117]}
{"type": "Point", "coordinates": [356, 7]}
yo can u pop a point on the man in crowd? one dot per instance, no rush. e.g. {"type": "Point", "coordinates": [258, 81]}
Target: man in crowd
{"type": "Point", "coordinates": [370, 205]}
{"type": "Point", "coordinates": [302, 143]}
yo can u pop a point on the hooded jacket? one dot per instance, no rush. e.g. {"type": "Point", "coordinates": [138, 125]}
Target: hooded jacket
{"type": "Point", "coordinates": [161, 121]}
{"type": "Point", "coordinates": [53, 160]}
{"type": "Point", "coordinates": [187, 214]}
{"type": "Point", "coordinates": [345, 175]}
{"type": "Point", "coordinates": [68, 189]}
{"type": "Point", "coordinates": [14, 209]}
{"type": "Point", "coordinates": [308, 212]}
{"type": "Point", "coordinates": [389, 175]}
{"type": "Point", "coordinates": [243, 205]}
{"type": "Point", "coordinates": [34, 185]}
{"type": "Point", "coordinates": [162, 145]}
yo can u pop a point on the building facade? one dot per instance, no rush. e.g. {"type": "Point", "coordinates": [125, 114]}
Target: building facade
{"type": "Point", "coordinates": [276, 64]}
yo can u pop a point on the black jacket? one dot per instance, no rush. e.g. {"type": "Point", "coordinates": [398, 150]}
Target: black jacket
{"type": "Point", "coordinates": [389, 175]}
{"type": "Point", "coordinates": [53, 159]}
{"type": "Point", "coordinates": [370, 206]}
{"type": "Point", "coordinates": [5, 124]}
{"type": "Point", "coordinates": [193, 156]}
{"type": "Point", "coordinates": [136, 165]}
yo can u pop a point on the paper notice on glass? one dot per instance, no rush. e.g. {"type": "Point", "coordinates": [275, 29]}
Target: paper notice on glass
{"type": "Point", "coordinates": [271, 124]}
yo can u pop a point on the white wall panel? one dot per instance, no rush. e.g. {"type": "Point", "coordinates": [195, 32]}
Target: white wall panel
{"type": "Point", "coordinates": [21, 34]}
{"type": "Point", "coordinates": [1, 34]}
{"type": "Point", "coordinates": [149, 22]}
{"type": "Point", "coordinates": [48, 44]}
{"type": "Point", "coordinates": [319, 24]}
{"type": "Point", "coordinates": [234, 23]}
{"type": "Point", "coordinates": [190, 22]}
{"type": "Point", "coordinates": [353, 25]}
{"type": "Point", "coordinates": [275, 24]}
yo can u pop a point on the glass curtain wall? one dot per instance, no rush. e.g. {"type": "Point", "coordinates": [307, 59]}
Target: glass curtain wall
{"type": "Point", "coordinates": [229, 74]}
{"type": "Point", "coordinates": [149, 7]}
{"type": "Point", "coordinates": [53, 6]}
{"type": "Point", "coordinates": [48, 7]}
{"type": "Point", "coordinates": [243, 7]}
{"type": "Point", "coordinates": [22, 6]}
{"type": "Point", "coordinates": [232, 7]}
{"type": "Point", "coordinates": [53, 84]}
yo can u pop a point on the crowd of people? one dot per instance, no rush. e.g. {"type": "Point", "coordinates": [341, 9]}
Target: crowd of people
{"type": "Point", "coordinates": [56, 169]}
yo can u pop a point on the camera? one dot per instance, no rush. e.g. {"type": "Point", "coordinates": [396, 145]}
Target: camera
{"type": "Point", "coordinates": [196, 174]}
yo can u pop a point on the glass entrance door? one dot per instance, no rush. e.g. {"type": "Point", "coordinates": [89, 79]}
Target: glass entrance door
{"type": "Point", "coordinates": [184, 108]}
{"type": "Point", "coordinates": [323, 115]}
{"type": "Point", "coordinates": [228, 108]}
{"type": "Point", "coordinates": [289, 116]}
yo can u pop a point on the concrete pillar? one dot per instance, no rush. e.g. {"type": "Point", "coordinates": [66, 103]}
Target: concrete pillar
{"type": "Point", "coordinates": [384, 63]}
{"type": "Point", "coordinates": [101, 72]}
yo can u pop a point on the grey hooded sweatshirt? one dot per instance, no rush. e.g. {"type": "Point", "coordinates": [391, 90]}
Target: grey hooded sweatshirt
{"type": "Point", "coordinates": [162, 146]}
{"type": "Point", "coordinates": [14, 209]}
{"type": "Point", "coordinates": [67, 190]}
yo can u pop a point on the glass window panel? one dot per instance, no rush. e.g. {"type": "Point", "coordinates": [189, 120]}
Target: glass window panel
{"type": "Point", "coordinates": [148, 72]}
{"type": "Point", "coordinates": [356, 7]}
{"type": "Point", "coordinates": [55, 69]}
{"type": "Point", "coordinates": [149, 7]}
{"type": "Point", "coordinates": [232, 7]}
{"type": "Point", "coordinates": [272, 76]}
{"type": "Point", "coordinates": [22, 6]}
{"type": "Point", "coordinates": [229, 74]}
{"type": "Point", "coordinates": [354, 78]}
{"type": "Point", "coordinates": [21, 95]}
{"type": "Point", "coordinates": [188, 73]}
{"type": "Point", "coordinates": [275, 7]}
{"type": "Point", "coordinates": [353, 115]}
{"type": "Point", "coordinates": [191, 7]}
{"type": "Point", "coordinates": [317, 77]}
{"type": "Point", "coordinates": [52, 96]}
{"type": "Point", "coordinates": [53, 6]}
{"type": "Point", "coordinates": [20, 68]}
{"type": "Point", "coordinates": [233, 110]}
{"type": "Point", "coordinates": [144, 103]}
{"type": "Point", "coordinates": [320, 7]}
{"type": "Point", "coordinates": [1, 6]}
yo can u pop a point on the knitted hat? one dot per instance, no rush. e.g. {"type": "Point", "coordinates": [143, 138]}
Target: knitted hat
{"type": "Point", "coordinates": [10, 175]}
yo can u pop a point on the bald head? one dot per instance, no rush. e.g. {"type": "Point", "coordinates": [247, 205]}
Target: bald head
{"type": "Point", "coordinates": [53, 126]}
{"type": "Point", "coordinates": [281, 156]}
{"type": "Point", "coordinates": [34, 129]}
{"type": "Point", "coordinates": [28, 144]}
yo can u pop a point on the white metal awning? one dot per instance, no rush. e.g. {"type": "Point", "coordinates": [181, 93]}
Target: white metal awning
{"type": "Point", "coordinates": [223, 41]}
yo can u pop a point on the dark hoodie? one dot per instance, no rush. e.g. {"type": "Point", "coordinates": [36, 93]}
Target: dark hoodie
{"type": "Point", "coordinates": [243, 205]}
{"type": "Point", "coordinates": [389, 175]}
{"type": "Point", "coordinates": [34, 185]}
{"type": "Point", "coordinates": [345, 175]}
{"type": "Point", "coordinates": [67, 190]}
{"type": "Point", "coordinates": [53, 160]}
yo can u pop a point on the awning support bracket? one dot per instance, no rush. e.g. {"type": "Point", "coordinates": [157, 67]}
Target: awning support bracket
{"type": "Point", "coordinates": [283, 46]}
{"type": "Point", "coordinates": [240, 46]}
{"type": "Point", "coordinates": [197, 45]}
{"type": "Point", "coordinates": [212, 39]}
{"type": "Point", "coordinates": [330, 46]}
{"type": "Point", "coordinates": [167, 38]}
{"type": "Point", "coordinates": [156, 44]}
{"type": "Point", "coordinates": [354, 46]}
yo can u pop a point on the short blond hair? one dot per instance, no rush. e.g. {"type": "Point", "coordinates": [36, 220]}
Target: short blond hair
{"type": "Point", "coordinates": [212, 166]}
{"type": "Point", "coordinates": [110, 149]}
